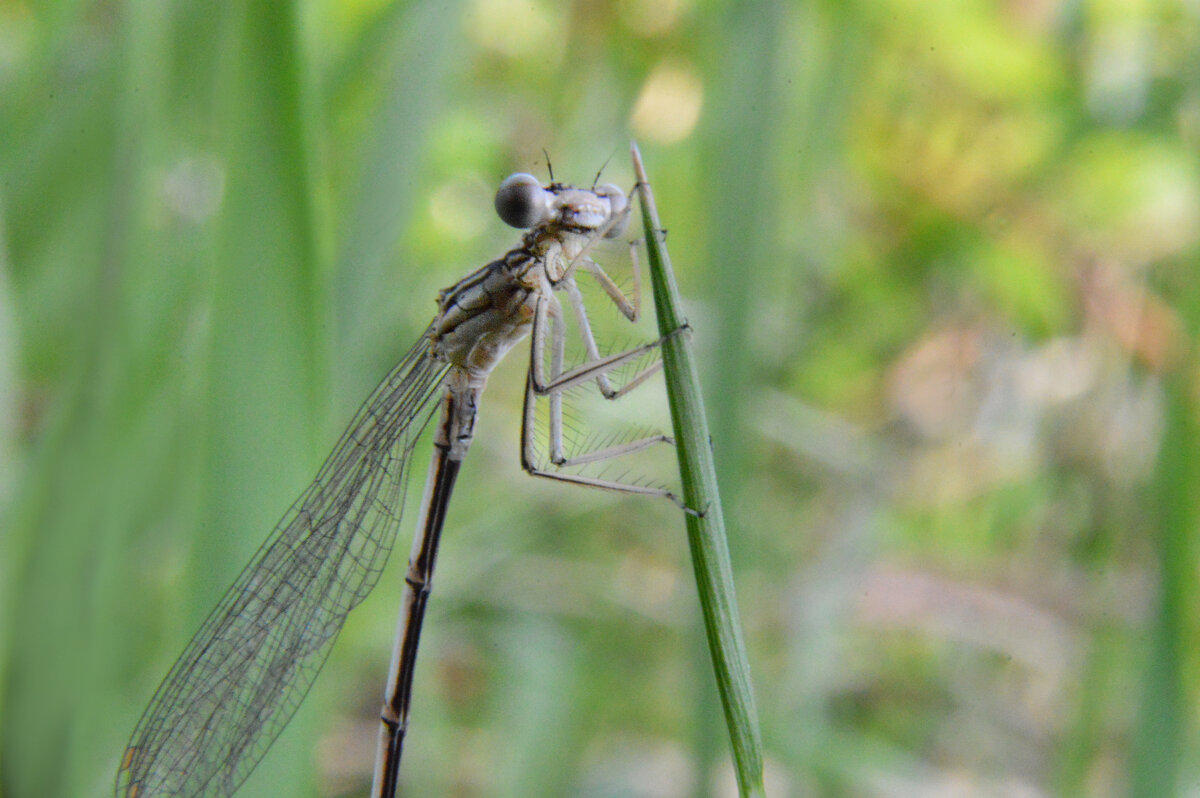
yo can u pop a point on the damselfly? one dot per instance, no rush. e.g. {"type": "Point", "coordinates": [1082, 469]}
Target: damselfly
{"type": "Point", "coordinates": [243, 675]}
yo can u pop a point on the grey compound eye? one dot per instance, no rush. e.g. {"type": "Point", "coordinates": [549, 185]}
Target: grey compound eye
{"type": "Point", "coordinates": [521, 201]}
{"type": "Point", "coordinates": [619, 204]}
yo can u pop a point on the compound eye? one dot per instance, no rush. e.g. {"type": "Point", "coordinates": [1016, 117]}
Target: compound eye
{"type": "Point", "coordinates": [619, 205]}
{"type": "Point", "coordinates": [521, 201]}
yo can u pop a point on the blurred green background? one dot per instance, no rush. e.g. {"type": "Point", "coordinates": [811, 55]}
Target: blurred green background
{"type": "Point", "coordinates": [940, 258]}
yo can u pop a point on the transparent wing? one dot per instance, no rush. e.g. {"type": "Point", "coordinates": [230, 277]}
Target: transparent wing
{"type": "Point", "coordinates": [241, 678]}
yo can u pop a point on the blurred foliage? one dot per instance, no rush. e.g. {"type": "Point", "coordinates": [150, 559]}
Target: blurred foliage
{"type": "Point", "coordinates": [941, 264]}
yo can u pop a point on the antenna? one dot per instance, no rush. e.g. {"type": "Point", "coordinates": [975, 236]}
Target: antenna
{"type": "Point", "coordinates": [603, 166]}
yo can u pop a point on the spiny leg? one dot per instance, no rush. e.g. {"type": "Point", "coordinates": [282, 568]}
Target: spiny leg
{"type": "Point", "coordinates": [529, 452]}
{"type": "Point", "coordinates": [558, 337]}
{"type": "Point", "coordinates": [545, 384]}
{"type": "Point", "coordinates": [631, 305]}
{"type": "Point", "coordinates": [541, 384]}
{"type": "Point", "coordinates": [589, 342]}
{"type": "Point", "coordinates": [585, 333]}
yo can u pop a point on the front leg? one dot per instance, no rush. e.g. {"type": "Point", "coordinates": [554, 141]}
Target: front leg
{"type": "Point", "coordinates": [593, 352]}
{"type": "Point", "coordinates": [529, 454]}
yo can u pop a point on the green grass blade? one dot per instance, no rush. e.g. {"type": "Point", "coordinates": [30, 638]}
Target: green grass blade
{"type": "Point", "coordinates": [706, 528]}
{"type": "Point", "coordinates": [1160, 734]}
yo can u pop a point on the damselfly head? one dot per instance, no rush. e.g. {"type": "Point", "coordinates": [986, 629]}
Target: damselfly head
{"type": "Point", "coordinates": [521, 201]}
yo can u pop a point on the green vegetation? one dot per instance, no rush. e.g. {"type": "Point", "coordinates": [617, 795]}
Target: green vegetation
{"type": "Point", "coordinates": [707, 539]}
{"type": "Point", "coordinates": [939, 260]}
